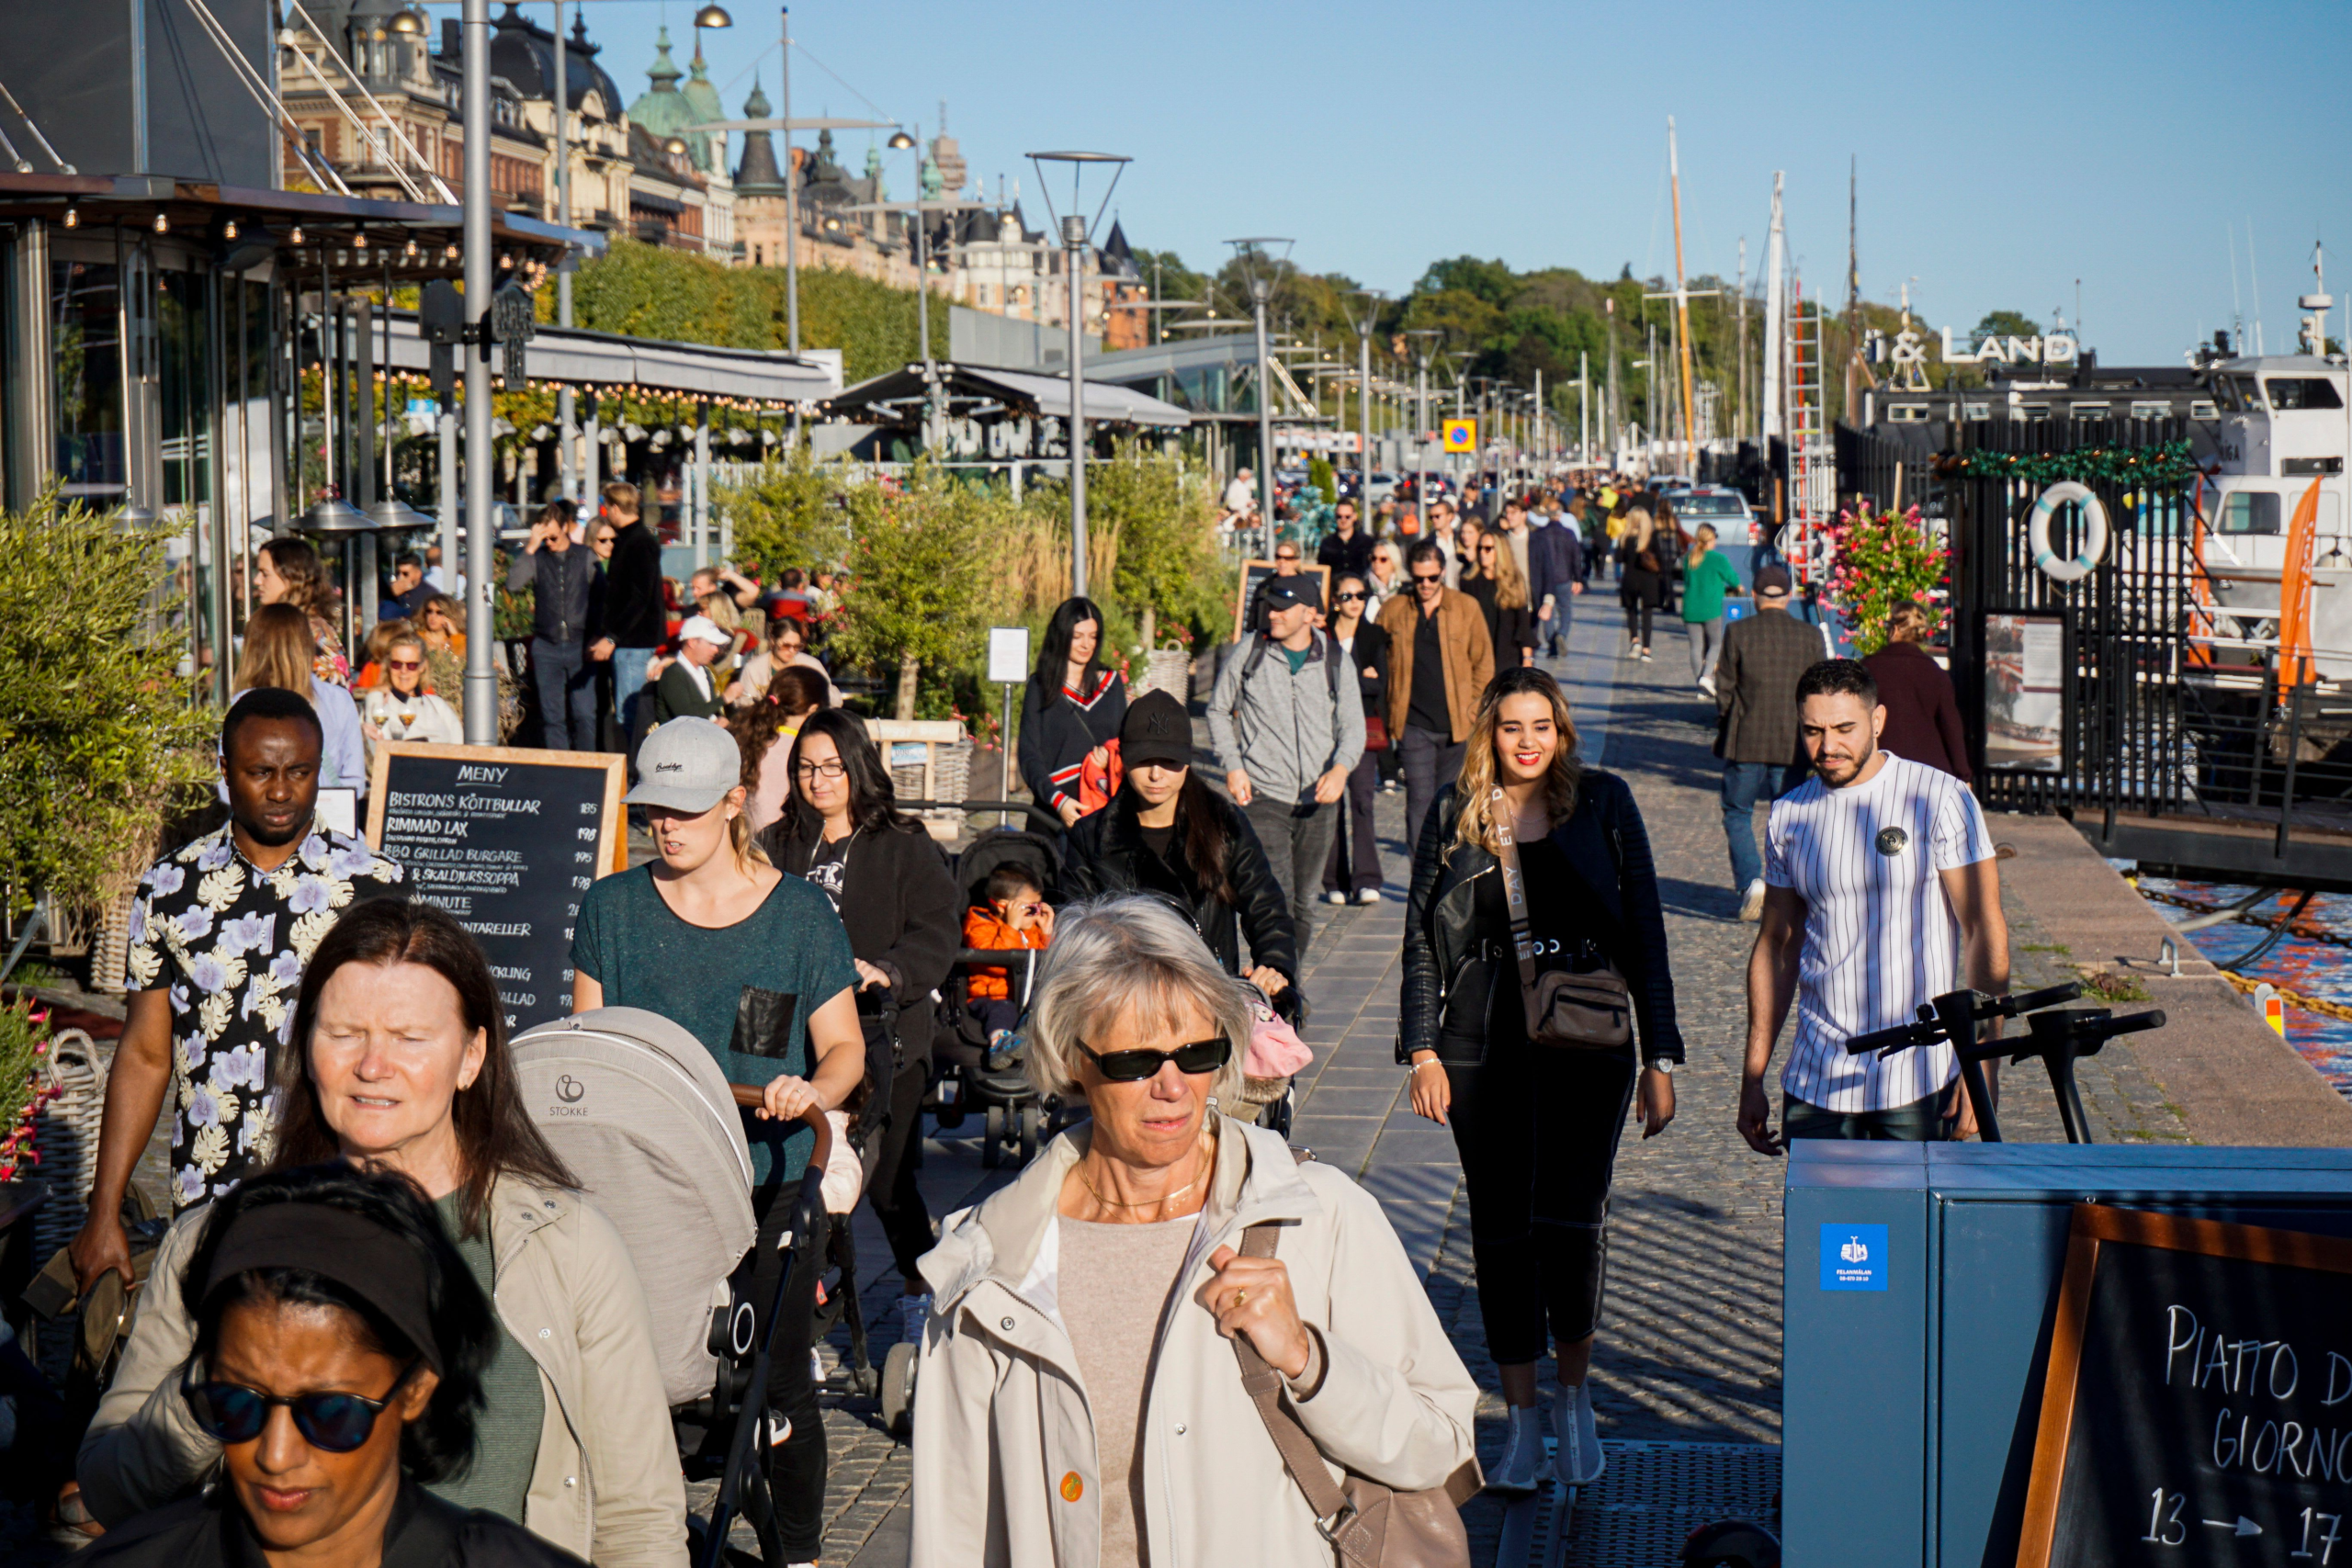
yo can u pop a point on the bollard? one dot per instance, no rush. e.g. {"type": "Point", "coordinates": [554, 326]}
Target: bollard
{"type": "Point", "coordinates": [2273, 1010]}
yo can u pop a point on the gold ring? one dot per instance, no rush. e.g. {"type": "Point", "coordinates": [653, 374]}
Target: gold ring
{"type": "Point", "coordinates": [1239, 1297]}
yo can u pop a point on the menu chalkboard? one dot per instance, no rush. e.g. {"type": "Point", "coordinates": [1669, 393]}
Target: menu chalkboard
{"type": "Point", "coordinates": [507, 841]}
{"type": "Point", "coordinates": [1254, 572]}
{"type": "Point", "coordinates": [2199, 1404]}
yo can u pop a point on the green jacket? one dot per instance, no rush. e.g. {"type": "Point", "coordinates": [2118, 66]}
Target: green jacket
{"type": "Point", "coordinates": [1704, 583]}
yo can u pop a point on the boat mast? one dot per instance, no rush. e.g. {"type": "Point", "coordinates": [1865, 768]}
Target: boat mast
{"type": "Point", "coordinates": [1682, 305]}
{"type": "Point", "coordinates": [1775, 309]}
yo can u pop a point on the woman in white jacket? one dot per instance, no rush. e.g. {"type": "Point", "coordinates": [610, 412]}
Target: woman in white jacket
{"type": "Point", "coordinates": [400, 708]}
{"type": "Point", "coordinates": [1079, 1401]}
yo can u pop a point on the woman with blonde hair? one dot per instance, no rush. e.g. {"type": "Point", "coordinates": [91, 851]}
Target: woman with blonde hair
{"type": "Point", "coordinates": [1501, 591]}
{"type": "Point", "coordinates": [1536, 1123]}
{"type": "Point", "coordinates": [1641, 582]}
{"type": "Point", "coordinates": [287, 572]}
{"type": "Point", "coordinates": [1706, 577]}
{"type": "Point", "coordinates": [280, 653]}
{"type": "Point", "coordinates": [398, 708]}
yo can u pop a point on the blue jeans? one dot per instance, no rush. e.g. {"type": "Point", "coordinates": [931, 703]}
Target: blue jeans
{"type": "Point", "coordinates": [628, 681]}
{"type": "Point", "coordinates": [567, 687]}
{"type": "Point", "coordinates": [1745, 783]}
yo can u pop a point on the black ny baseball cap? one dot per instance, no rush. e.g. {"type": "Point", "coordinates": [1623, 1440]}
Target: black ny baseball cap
{"type": "Point", "coordinates": [1157, 729]}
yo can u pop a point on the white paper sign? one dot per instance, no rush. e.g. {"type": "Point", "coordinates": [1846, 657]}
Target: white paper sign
{"type": "Point", "coordinates": [1008, 655]}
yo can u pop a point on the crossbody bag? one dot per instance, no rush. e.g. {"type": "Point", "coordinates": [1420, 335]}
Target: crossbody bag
{"type": "Point", "coordinates": [1577, 1010]}
{"type": "Point", "coordinates": [1368, 1525]}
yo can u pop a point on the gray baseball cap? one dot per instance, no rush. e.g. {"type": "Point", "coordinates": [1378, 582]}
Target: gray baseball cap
{"type": "Point", "coordinates": [687, 764]}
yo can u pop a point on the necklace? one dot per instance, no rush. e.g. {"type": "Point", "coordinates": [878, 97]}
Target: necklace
{"type": "Point", "coordinates": [1164, 1197]}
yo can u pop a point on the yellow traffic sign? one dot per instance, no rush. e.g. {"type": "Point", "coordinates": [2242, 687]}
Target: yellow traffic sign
{"type": "Point", "coordinates": [1460, 434]}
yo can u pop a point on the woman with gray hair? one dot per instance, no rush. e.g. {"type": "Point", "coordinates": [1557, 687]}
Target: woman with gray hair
{"type": "Point", "coordinates": [1076, 1402]}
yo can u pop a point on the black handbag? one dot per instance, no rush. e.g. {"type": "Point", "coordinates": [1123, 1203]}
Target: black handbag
{"type": "Point", "coordinates": [1577, 1010]}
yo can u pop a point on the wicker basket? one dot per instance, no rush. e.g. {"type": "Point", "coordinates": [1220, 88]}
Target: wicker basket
{"type": "Point", "coordinates": [1168, 670]}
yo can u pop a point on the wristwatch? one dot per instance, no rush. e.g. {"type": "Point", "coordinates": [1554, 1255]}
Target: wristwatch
{"type": "Point", "coordinates": [1662, 1064]}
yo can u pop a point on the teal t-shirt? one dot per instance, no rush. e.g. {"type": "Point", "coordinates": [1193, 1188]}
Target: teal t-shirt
{"type": "Point", "coordinates": [744, 990]}
{"type": "Point", "coordinates": [506, 1434]}
{"type": "Point", "coordinates": [1704, 583]}
{"type": "Point", "coordinates": [1298, 657]}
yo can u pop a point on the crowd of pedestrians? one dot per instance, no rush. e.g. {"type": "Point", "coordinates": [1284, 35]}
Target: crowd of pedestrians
{"type": "Point", "coordinates": [389, 1321]}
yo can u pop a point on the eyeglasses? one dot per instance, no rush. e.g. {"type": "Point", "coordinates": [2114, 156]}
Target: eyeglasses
{"type": "Point", "coordinates": [404, 664]}
{"type": "Point", "coordinates": [1425, 579]}
{"type": "Point", "coordinates": [1285, 555]}
{"type": "Point", "coordinates": [337, 1423]}
{"type": "Point", "coordinates": [831, 770]}
{"type": "Point", "coordinates": [1486, 549]}
{"type": "Point", "coordinates": [1347, 598]}
{"type": "Point", "coordinates": [1135, 1066]}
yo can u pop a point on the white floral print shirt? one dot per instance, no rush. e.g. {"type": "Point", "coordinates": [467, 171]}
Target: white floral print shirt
{"type": "Point", "coordinates": [229, 940]}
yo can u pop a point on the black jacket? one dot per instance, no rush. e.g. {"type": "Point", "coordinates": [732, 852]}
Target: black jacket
{"type": "Point", "coordinates": [1107, 855]}
{"type": "Point", "coordinates": [634, 614]}
{"type": "Point", "coordinates": [567, 593]}
{"type": "Point", "coordinates": [1056, 733]}
{"type": "Point", "coordinates": [1370, 656]}
{"type": "Point", "coordinates": [424, 1533]}
{"type": "Point", "coordinates": [1448, 985]}
{"type": "Point", "coordinates": [899, 902]}
{"type": "Point", "coordinates": [1346, 557]}
{"type": "Point", "coordinates": [1513, 631]}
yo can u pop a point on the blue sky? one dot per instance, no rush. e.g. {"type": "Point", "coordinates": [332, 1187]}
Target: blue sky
{"type": "Point", "coordinates": [2004, 150]}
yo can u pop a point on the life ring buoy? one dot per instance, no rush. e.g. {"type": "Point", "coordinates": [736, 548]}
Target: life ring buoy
{"type": "Point", "coordinates": [2037, 530]}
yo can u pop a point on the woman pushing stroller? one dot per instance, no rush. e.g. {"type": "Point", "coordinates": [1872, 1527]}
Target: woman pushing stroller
{"type": "Point", "coordinates": [753, 964]}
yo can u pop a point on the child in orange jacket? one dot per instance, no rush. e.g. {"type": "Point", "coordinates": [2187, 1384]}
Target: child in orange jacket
{"type": "Point", "coordinates": [1016, 916]}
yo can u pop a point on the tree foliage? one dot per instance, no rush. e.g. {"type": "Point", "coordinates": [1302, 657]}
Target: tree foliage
{"type": "Point", "coordinates": [922, 586]}
{"type": "Point", "coordinates": [650, 291]}
{"type": "Point", "coordinates": [100, 732]}
{"type": "Point", "coordinates": [786, 514]}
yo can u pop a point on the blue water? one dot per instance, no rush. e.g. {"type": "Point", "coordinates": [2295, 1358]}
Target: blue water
{"type": "Point", "coordinates": [2315, 969]}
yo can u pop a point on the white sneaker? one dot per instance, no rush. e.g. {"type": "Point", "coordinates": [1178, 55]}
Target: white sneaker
{"type": "Point", "coordinates": [1524, 1465]}
{"type": "Point", "coordinates": [1633, 649]}
{"type": "Point", "coordinates": [1751, 906]}
{"type": "Point", "coordinates": [1367, 895]}
{"type": "Point", "coordinates": [1582, 1460]}
{"type": "Point", "coordinates": [1645, 656]}
{"type": "Point", "coordinates": [1707, 684]}
{"type": "Point", "coordinates": [1335, 896]}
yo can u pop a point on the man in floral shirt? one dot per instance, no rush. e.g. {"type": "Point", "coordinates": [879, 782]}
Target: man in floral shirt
{"type": "Point", "coordinates": [218, 936]}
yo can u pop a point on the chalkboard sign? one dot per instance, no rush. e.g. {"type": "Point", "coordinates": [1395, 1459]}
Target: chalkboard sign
{"type": "Point", "coordinates": [2199, 1404]}
{"type": "Point", "coordinates": [1254, 572]}
{"type": "Point", "coordinates": [507, 840]}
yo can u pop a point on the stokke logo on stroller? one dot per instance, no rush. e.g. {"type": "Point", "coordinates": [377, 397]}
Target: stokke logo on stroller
{"type": "Point", "coordinates": [569, 1089]}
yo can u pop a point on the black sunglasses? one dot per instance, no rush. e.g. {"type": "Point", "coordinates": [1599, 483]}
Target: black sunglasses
{"type": "Point", "coordinates": [337, 1423]}
{"type": "Point", "coordinates": [1344, 598]}
{"type": "Point", "coordinates": [1133, 1066]}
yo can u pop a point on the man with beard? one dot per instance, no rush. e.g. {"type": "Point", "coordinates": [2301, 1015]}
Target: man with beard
{"type": "Point", "coordinates": [219, 935]}
{"type": "Point", "coordinates": [1881, 892]}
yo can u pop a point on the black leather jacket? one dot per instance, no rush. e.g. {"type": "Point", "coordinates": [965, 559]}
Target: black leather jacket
{"type": "Point", "coordinates": [1448, 985]}
{"type": "Point", "coordinates": [1107, 855]}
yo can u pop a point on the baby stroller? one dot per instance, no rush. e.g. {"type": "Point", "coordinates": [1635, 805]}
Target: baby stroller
{"type": "Point", "coordinates": [967, 1078]}
{"type": "Point", "coordinates": [642, 1114]}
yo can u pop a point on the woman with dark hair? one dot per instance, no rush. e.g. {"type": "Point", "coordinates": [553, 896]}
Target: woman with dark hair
{"type": "Point", "coordinates": [1165, 832]}
{"type": "Point", "coordinates": [287, 572]}
{"type": "Point", "coordinates": [1536, 1123]}
{"type": "Point", "coordinates": [1355, 853]}
{"type": "Point", "coordinates": [763, 730]}
{"type": "Point", "coordinates": [842, 829]}
{"type": "Point", "coordinates": [1071, 709]}
{"type": "Point", "coordinates": [336, 1296]}
{"type": "Point", "coordinates": [397, 1062]}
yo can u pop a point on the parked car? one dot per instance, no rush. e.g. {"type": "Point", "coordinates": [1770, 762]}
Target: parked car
{"type": "Point", "coordinates": [1726, 511]}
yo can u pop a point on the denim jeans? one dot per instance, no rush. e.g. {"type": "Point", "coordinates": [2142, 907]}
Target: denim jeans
{"type": "Point", "coordinates": [629, 683]}
{"type": "Point", "coordinates": [567, 687]}
{"type": "Point", "coordinates": [1706, 646]}
{"type": "Point", "coordinates": [1744, 785]}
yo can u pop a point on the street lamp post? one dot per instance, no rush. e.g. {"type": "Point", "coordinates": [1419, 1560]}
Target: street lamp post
{"type": "Point", "coordinates": [1422, 336]}
{"type": "Point", "coordinates": [482, 684]}
{"type": "Point", "coordinates": [1363, 326]}
{"type": "Point", "coordinates": [1074, 227]}
{"type": "Point", "coordinates": [1260, 270]}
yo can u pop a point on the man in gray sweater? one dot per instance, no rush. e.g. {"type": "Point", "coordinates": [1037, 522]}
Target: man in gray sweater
{"type": "Point", "coordinates": [1289, 730]}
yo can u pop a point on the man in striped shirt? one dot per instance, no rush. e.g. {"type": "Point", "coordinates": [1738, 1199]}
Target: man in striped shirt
{"type": "Point", "coordinates": [1881, 891]}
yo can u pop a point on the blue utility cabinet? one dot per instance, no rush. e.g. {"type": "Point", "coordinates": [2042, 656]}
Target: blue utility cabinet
{"type": "Point", "coordinates": [1919, 1285]}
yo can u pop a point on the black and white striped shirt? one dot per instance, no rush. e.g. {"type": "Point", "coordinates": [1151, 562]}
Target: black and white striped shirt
{"type": "Point", "coordinates": [1880, 936]}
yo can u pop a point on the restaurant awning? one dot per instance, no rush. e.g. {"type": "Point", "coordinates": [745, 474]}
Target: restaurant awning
{"type": "Point", "coordinates": [978, 390]}
{"type": "Point", "coordinates": [683, 369]}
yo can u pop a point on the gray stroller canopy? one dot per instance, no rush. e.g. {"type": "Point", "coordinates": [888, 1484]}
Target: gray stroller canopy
{"type": "Point", "coordinates": [644, 1117]}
